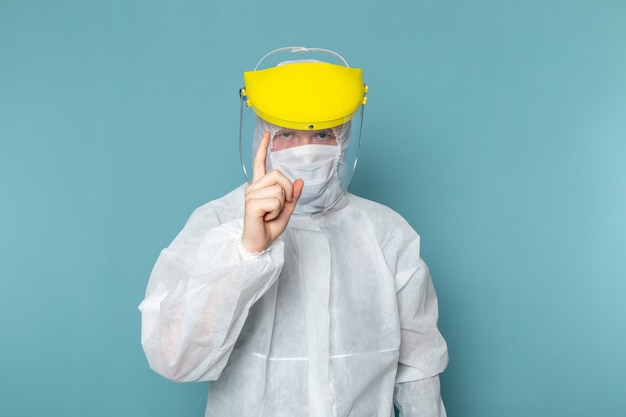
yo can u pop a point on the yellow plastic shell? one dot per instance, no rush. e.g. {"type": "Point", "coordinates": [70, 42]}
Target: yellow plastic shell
{"type": "Point", "coordinates": [305, 95]}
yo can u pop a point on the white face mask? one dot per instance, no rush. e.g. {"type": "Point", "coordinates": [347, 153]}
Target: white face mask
{"type": "Point", "coordinates": [314, 164]}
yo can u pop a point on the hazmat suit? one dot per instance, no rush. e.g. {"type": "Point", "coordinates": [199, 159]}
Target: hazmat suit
{"type": "Point", "coordinates": [337, 317]}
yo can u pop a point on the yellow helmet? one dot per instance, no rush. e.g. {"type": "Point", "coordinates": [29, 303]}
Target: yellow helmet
{"type": "Point", "coordinates": [305, 95]}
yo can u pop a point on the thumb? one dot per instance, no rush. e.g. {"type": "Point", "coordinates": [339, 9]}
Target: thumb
{"type": "Point", "coordinates": [290, 206]}
{"type": "Point", "coordinates": [298, 185]}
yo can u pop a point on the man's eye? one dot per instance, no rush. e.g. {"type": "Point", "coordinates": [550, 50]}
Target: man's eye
{"type": "Point", "coordinates": [323, 135]}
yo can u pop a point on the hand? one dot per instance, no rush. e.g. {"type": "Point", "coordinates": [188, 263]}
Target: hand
{"type": "Point", "coordinates": [270, 200]}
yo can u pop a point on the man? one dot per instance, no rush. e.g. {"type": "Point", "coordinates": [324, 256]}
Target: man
{"type": "Point", "coordinates": [294, 296]}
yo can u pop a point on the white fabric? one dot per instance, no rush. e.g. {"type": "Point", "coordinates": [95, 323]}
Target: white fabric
{"type": "Point", "coordinates": [314, 164]}
{"type": "Point", "coordinates": [334, 318]}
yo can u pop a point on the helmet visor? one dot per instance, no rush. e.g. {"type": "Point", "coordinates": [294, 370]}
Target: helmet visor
{"type": "Point", "coordinates": [344, 140]}
{"type": "Point", "coordinates": [311, 109]}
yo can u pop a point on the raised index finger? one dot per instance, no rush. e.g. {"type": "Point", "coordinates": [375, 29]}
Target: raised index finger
{"type": "Point", "coordinates": [260, 157]}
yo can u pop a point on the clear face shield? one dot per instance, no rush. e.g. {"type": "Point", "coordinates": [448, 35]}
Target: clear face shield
{"type": "Point", "coordinates": [313, 110]}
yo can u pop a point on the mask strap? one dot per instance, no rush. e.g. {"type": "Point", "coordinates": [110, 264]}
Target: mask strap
{"type": "Point", "coordinates": [301, 49]}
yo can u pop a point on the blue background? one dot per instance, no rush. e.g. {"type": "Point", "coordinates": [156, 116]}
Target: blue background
{"type": "Point", "coordinates": [497, 128]}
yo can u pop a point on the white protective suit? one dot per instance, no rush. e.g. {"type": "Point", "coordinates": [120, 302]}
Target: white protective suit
{"type": "Point", "coordinates": [337, 318]}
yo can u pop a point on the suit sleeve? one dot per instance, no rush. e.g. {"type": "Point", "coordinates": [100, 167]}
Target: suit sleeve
{"type": "Point", "coordinates": [199, 295]}
{"type": "Point", "coordinates": [423, 350]}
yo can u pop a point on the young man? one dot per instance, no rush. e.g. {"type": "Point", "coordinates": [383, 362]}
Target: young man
{"type": "Point", "coordinates": [294, 296]}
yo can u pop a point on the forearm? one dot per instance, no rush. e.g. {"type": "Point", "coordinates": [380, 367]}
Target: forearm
{"type": "Point", "coordinates": [194, 310]}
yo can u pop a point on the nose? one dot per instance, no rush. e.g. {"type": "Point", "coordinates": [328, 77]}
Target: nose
{"type": "Point", "coordinates": [304, 139]}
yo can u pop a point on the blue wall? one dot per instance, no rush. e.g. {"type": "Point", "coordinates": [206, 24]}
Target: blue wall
{"type": "Point", "coordinates": [497, 128]}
